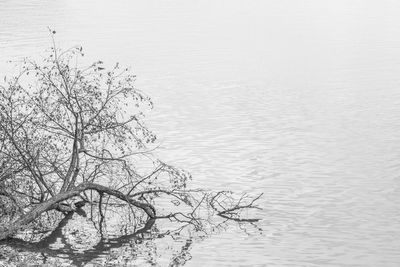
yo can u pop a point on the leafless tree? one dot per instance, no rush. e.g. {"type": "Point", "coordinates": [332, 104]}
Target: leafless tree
{"type": "Point", "coordinates": [67, 130]}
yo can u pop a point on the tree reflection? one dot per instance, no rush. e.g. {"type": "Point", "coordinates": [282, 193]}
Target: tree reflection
{"type": "Point", "coordinates": [146, 245]}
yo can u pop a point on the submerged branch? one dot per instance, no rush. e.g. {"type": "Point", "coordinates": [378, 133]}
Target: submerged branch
{"type": "Point", "coordinates": [53, 203]}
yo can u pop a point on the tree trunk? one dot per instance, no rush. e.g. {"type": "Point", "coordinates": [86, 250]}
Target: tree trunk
{"type": "Point", "coordinates": [53, 203]}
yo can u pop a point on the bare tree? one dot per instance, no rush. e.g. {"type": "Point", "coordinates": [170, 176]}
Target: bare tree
{"type": "Point", "coordinates": [67, 130]}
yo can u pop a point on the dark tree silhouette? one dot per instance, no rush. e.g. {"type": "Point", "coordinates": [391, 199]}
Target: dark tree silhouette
{"type": "Point", "coordinates": [67, 130]}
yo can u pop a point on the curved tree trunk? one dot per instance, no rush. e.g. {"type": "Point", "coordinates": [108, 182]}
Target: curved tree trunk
{"type": "Point", "coordinates": [53, 203]}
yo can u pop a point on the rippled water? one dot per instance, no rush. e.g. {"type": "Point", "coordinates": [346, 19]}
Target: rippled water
{"type": "Point", "coordinates": [299, 100]}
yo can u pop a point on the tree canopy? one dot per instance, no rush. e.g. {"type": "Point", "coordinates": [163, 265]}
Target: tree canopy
{"type": "Point", "coordinates": [66, 130]}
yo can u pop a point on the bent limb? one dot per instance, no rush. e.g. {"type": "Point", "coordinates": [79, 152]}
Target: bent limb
{"type": "Point", "coordinates": [54, 203]}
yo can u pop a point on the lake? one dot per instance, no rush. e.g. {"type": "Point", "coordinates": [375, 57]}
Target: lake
{"type": "Point", "coordinates": [299, 100]}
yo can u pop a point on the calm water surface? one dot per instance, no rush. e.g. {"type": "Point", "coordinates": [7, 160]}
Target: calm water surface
{"type": "Point", "coordinates": [299, 100]}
